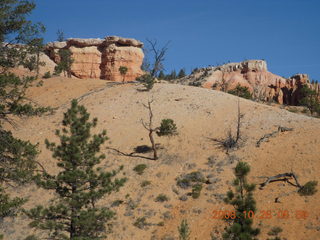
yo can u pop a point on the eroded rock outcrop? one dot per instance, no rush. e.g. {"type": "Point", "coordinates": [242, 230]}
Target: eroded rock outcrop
{"type": "Point", "coordinates": [101, 58]}
{"type": "Point", "coordinates": [254, 75]}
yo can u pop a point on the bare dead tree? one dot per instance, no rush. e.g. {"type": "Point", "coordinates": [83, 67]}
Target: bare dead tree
{"type": "Point", "coordinates": [166, 128]}
{"type": "Point", "coordinates": [304, 190]}
{"type": "Point", "coordinates": [129, 154]}
{"type": "Point", "coordinates": [224, 84]}
{"type": "Point", "coordinates": [231, 141]}
{"type": "Point", "coordinates": [149, 126]}
{"type": "Point", "coordinates": [266, 137]}
{"type": "Point", "coordinates": [281, 177]}
{"type": "Point", "coordinates": [240, 115]}
{"type": "Point", "coordinates": [158, 56]}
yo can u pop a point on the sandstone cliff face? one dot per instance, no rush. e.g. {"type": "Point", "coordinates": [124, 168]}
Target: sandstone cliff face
{"type": "Point", "coordinates": [115, 56]}
{"type": "Point", "coordinates": [101, 58]}
{"type": "Point", "coordinates": [87, 61]}
{"type": "Point", "coordinates": [254, 75]}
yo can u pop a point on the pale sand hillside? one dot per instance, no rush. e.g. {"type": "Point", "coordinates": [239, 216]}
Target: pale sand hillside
{"type": "Point", "coordinates": [199, 114]}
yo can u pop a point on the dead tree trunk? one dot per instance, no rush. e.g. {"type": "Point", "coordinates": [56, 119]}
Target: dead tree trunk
{"type": "Point", "coordinates": [238, 122]}
{"type": "Point", "coordinates": [149, 127]}
{"type": "Point", "coordinates": [284, 177]}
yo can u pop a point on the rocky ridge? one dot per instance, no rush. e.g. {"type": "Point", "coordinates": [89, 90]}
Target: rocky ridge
{"type": "Point", "coordinates": [254, 75]}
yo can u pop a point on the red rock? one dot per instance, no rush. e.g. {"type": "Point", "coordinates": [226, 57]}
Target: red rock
{"type": "Point", "coordinates": [101, 58]}
{"type": "Point", "coordinates": [254, 75]}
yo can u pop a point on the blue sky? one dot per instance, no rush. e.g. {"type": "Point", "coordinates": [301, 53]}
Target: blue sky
{"type": "Point", "coordinates": [286, 33]}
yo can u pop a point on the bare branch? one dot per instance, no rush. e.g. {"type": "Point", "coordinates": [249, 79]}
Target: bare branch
{"type": "Point", "coordinates": [150, 128]}
{"type": "Point", "coordinates": [129, 154]}
{"type": "Point", "coordinates": [144, 125]}
{"type": "Point", "coordinates": [158, 55]}
{"type": "Point", "coordinates": [282, 177]}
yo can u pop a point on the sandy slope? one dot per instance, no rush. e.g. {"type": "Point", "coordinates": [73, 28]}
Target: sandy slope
{"type": "Point", "coordinates": [200, 114]}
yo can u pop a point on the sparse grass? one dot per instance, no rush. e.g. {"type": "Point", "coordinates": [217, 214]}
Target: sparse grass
{"type": "Point", "coordinates": [161, 224]}
{"type": "Point", "coordinates": [196, 190]}
{"type": "Point", "coordinates": [47, 75]}
{"type": "Point", "coordinates": [308, 189]}
{"type": "Point", "coordinates": [116, 203]}
{"type": "Point", "coordinates": [145, 183]}
{"type": "Point", "coordinates": [131, 204]}
{"type": "Point", "coordinates": [187, 180]}
{"type": "Point", "coordinates": [275, 231]}
{"type": "Point", "coordinates": [139, 169]}
{"type": "Point", "coordinates": [141, 222]}
{"type": "Point", "coordinates": [293, 110]}
{"type": "Point", "coordinates": [162, 198]}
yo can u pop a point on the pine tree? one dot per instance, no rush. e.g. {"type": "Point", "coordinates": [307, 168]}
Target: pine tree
{"type": "Point", "coordinates": [17, 157]}
{"type": "Point", "coordinates": [65, 62]}
{"type": "Point", "coordinates": [147, 80]}
{"type": "Point", "coordinates": [16, 167]}
{"type": "Point", "coordinates": [244, 204]}
{"type": "Point", "coordinates": [241, 92]}
{"type": "Point", "coordinates": [310, 99]}
{"type": "Point", "coordinates": [60, 36]}
{"type": "Point", "coordinates": [173, 75]}
{"type": "Point", "coordinates": [161, 75]}
{"type": "Point", "coordinates": [181, 73]}
{"type": "Point", "coordinates": [16, 29]}
{"type": "Point", "coordinates": [35, 48]}
{"type": "Point", "coordinates": [123, 71]}
{"type": "Point", "coordinates": [79, 185]}
{"type": "Point", "coordinates": [184, 230]}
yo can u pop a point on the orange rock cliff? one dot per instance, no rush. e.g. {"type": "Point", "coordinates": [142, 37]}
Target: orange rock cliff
{"type": "Point", "coordinates": [101, 58]}
{"type": "Point", "coordinates": [254, 75]}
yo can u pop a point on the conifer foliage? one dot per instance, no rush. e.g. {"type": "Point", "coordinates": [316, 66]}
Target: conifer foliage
{"type": "Point", "coordinates": [244, 204]}
{"type": "Point", "coordinates": [65, 63]}
{"type": "Point", "coordinates": [75, 213]}
{"type": "Point", "coordinates": [17, 157]}
{"type": "Point", "coordinates": [310, 99]}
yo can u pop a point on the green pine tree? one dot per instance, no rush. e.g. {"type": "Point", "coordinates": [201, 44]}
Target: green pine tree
{"type": "Point", "coordinates": [310, 99]}
{"type": "Point", "coordinates": [173, 75]}
{"type": "Point", "coordinates": [17, 157]}
{"type": "Point", "coordinates": [241, 92]}
{"type": "Point", "coordinates": [16, 168]}
{"type": "Point", "coordinates": [60, 36]}
{"type": "Point", "coordinates": [35, 48]}
{"type": "Point", "coordinates": [244, 204]}
{"type": "Point", "coordinates": [17, 29]}
{"type": "Point", "coordinates": [184, 230]}
{"type": "Point", "coordinates": [123, 71]}
{"type": "Point", "coordinates": [147, 80]}
{"type": "Point", "coordinates": [79, 185]}
{"type": "Point", "coordinates": [161, 75]}
{"type": "Point", "coordinates": [182, 73]}
{"type": "Point", "coordinates": [65, 62]}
